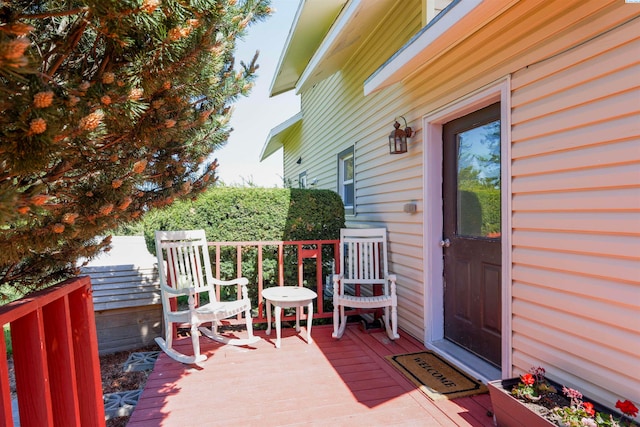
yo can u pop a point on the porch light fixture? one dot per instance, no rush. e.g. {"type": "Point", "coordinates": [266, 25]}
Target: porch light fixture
{"type": "Point", "coordinates": [398, 138]}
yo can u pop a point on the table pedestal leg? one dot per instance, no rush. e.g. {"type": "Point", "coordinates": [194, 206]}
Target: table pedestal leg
{"type": "Point", "coordinates": [298, 310]}
{"type": "Point", "coordinates": [268, 318]}
{"type": "Point", "coordinates": [278, 325]}
{"type": "Point", "coordinates": [309, 322]}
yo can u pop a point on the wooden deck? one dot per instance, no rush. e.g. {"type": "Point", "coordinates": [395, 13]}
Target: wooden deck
{"type": "Point", "coordinates": [345, 382]}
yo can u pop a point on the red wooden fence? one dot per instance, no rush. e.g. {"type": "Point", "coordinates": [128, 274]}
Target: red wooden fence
{"type": "Point", "coordinates": [55, 354]}
{"type": "Point", "coordinates": [305, 249]}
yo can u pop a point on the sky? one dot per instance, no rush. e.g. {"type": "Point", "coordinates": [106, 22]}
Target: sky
{"type": "Point", "coordinates": [254, 116]}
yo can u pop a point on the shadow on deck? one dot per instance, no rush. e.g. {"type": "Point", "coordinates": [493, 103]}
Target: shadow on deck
{"type": "Point", "coordinates": [345, 382]}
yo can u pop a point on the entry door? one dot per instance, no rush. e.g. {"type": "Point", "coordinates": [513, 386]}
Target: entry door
{"type": "Point", "coordinates": [471, 241]}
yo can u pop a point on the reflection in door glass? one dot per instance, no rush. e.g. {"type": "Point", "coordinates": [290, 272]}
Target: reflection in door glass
{"type": "Point", "coordinates": [479, 181]}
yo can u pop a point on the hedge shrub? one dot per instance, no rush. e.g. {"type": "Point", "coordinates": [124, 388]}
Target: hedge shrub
{"type": "Point", "coordinates": [229, 214]}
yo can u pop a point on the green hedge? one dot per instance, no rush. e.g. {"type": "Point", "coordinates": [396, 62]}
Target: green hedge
{"type": "Point", "coordinates": [490, 202]}
{"type": "Point", "coordinates": [481, 213]}
{"type": "Point", "coordinates": [230, 214]}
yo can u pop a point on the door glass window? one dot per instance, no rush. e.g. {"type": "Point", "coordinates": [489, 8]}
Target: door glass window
{"type": "Point", "coordinates": [478, 178]}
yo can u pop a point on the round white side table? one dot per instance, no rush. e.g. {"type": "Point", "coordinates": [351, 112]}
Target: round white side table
{"type": "Point", "coordinates": [286, 297]}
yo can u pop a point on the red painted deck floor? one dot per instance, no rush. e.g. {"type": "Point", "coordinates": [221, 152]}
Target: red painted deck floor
{"type": "Point", "coordinates": [345, 382]}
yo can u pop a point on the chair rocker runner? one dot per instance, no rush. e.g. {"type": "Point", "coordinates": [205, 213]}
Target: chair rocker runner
{"type": "Point", "coordinates": [363, 262]}
{"type": "Point", "coordinates": [185, 269]}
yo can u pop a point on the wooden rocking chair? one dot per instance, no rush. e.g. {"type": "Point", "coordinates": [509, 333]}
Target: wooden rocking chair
{"type": "Point", "coordinates": [364, 282]}
{"type": "Point", "coordinates": [185, 269]}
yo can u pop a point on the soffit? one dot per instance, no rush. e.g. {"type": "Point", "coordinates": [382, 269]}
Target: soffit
{"type": "Point", "coordinates": [311, 23]}
{"type": "Point", "coordinates": [278, 134]}
{"type": "Point", "coordinates": [356, 22]}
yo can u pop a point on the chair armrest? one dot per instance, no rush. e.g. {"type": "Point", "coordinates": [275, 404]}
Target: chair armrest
{"type": "Point", "coordinates": [176, 292]}
{"type": "Point", "coordinates": [240, 281]}
{"type": "Point", "coordinates": [392, 287]}
{"type": "Point", "coordinates": [243, 281]}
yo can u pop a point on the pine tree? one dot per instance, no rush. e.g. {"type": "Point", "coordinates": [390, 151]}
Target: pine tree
{"type": "Point", "coordinates": [108, 108]}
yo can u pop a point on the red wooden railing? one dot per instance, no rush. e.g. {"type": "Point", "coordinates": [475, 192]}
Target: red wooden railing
{"type": "Point", "coordinates": [307, 249]}
{"type": "Point", "coordinates": [55, 354]}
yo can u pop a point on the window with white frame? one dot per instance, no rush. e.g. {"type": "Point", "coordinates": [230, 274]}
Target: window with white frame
{"type": "Point", "coordinates": [346, 181]}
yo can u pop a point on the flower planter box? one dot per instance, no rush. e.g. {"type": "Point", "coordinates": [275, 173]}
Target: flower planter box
{"type": "Point", "coordinates": [511, 412]}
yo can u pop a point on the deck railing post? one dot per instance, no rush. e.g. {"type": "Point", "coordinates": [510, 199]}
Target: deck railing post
{"type": "Point", "coordinates": [61, 363]}
{"type": "Point", "coordinates": [218, 269]}
{"type": "Point", "coordinates": [301, 257]}
{"type": "Point", "coordinates": [239, 274]}
{"type": "Point", "coordinates": [85, 346]}
{"type": "Point", "coordinates": [260, 282]}
{"type": "Point", "coordinates": [30, 367]}
{"type": "Point", "coordinates": [55, 354]}
{"type": "Point", "coordinates": [6, 418]}
{"type": "Point", "coordinates": [319, 280]}
{"type": "Point", "coordinates": [281, 264]}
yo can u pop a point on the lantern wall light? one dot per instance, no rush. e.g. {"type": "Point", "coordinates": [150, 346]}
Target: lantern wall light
{"type": "Point", "coordinates": [398, 138]}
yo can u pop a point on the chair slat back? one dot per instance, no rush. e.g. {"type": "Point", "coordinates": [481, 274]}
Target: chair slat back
{"type": "Point", "coordinates": [364, 255]}
{"type": "Point", "coordinates": [187, 260]}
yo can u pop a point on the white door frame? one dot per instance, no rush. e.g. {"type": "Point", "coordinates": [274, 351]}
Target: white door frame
{"type": "Point", "coordinates": [432, 216]}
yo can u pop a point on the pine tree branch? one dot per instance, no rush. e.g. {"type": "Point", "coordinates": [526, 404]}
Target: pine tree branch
{"type": "Point", "coordinates": [74, 39]}
{"type": "Point", "coordinates": [53, 14]}
{"type": "Point", "coordinates": [91, 169]}
{"type": "Point", "coordinates": [105, 60]}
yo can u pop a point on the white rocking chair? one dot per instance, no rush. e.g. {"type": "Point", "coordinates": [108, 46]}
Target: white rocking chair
{"type": "Point", "coordinates": [185, 269]}
{"type": "Point", "coordinates": [363, 261]}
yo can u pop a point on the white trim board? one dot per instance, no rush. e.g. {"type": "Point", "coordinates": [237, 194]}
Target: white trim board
{"type": "Point", "coordinates": [432, 216]}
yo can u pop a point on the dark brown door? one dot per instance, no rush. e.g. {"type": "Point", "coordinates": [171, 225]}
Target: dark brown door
{"type": "Point", "coordinates": [471, 241]}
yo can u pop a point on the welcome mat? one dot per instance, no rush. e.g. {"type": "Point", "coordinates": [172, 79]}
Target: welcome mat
{"type": "Point", "coordinates": [436, 377]}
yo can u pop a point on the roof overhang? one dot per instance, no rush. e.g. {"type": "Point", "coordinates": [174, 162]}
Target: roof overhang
{"type": "Point", "coordinates": [352, 27]}
{"type": "Point", "coordinates": [311, 23]}
{"type": "Point", "coordinates": [457, 22]}
{"type": "Point", "coordinates": [278, 134]}
{"type": "Point", "coordinates": [324, 36]}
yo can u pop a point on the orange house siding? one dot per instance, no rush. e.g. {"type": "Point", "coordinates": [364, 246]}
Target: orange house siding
{"type": "Point", "coordinates": [576, 199]}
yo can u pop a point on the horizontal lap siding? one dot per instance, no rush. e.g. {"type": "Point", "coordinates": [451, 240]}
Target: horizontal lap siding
{"type": "Point", "coordinates": [576, 215]}
{"type": "Point", "coordinates": [128, 328]}
{"type": "Point", "coordinates": [127, 304]}
{"type": "Point", "coordinates": [337, 115]}
{"type": "Point", "coordinates": [123, 286]}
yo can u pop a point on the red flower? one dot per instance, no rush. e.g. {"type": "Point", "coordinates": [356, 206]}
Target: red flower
{"type": "Point", "coordinates": [588, 408]}
{"type": "Point", "coordinates": [627, 408]}
{"type": "Point", "coordinates": [527, 379]}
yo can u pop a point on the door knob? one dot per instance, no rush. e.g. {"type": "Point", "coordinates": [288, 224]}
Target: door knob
{"type": "Point", "coordinates": [445, 243]}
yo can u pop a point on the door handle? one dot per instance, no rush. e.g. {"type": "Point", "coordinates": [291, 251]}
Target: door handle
{"type": "Point", "coordinates": [445, 243]}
